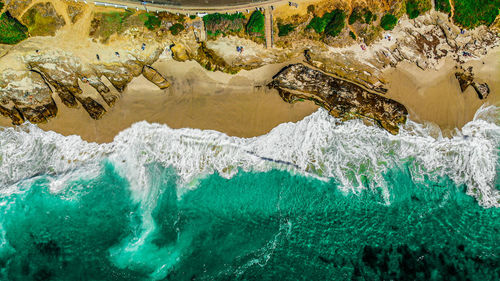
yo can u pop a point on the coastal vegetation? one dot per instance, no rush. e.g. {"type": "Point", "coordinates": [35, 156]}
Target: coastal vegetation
{"type": "Point", "coordinates": [310, 9]}
{"type": "Point", "coordinates": [285, 29]}
{"type": "Point", "coordinates": [388, 21]}
{"type": "Point", "coordinates": [176, 28]}
{"type": "Point", "coordinates": [472, 13]}
{"type": "Point", "coordinates": [442, 6]}
{"type": "Point", "coordinates": [330, 24]}
{"type": "Point", "coordinates": [42, 20]}
{"type": "Point", "coordinates": [361, 15]}
{"type": "Point", "coordinates": [106, 24]}
{"type": "Point", "coordinates": [255, 25]}
{"type": "Point", "coordinates": [11, 30]}
{"type": "Point", "coordinates": [152, 21]}
{"type": "Point", "coordinates": [415, 8]}
{"type": "Point", "coordinates": [216, 23]}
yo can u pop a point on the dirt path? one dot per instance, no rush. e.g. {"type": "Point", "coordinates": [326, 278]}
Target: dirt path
{"type": "Point", "coordinates": [452, 5]}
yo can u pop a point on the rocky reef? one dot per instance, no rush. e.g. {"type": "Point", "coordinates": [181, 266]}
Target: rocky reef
{"type": "Point", "coordinates": [341, 98]}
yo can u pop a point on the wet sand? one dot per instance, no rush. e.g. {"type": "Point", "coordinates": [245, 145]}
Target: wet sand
{"type": "Point", "coordinates": [434, 96]}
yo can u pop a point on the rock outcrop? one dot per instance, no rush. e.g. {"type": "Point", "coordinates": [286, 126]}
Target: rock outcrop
{"type": "Point", "coordinates": [341, 98]}
{"type": "Point", "coordinates": [466, 78]}
{"type": "Point", "coordinates": [24, 95]}
{"type": "Point", "coordinates": [155, 77]}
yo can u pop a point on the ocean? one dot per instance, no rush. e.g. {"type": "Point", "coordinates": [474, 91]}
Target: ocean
{"type": "Point", "coordinates": [318, 199]}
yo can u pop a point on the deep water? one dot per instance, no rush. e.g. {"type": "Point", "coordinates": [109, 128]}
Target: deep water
{"type": "Point", "coordinates": [272, 225]}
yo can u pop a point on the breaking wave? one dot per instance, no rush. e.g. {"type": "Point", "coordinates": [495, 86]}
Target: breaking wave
{"type": "Point", "coordinates": [352, 153]}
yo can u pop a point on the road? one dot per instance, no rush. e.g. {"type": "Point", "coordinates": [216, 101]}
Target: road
{"type": "Point", "coordinates": [152, 7]}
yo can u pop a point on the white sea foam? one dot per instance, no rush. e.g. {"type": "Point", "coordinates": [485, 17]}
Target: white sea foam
{"type": "Point", "coordinates": [318, 146]}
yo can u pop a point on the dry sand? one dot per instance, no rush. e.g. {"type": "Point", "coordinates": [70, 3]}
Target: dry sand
{"type": "Point", "coordinates": [434, 96]}
{"type": "Point", "coordinates": [229, 104]}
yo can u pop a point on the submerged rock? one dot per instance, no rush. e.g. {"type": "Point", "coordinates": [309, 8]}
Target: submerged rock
{"type": "Point", "coordinates": [341, 98]}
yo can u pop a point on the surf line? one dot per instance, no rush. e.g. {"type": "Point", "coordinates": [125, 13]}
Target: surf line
{"type": "Point", "coordinates": [274, 160]}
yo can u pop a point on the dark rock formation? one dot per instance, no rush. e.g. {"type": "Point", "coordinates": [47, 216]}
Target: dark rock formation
{"type": "Point", "coordinates": [466, 78]}
{"type": "Point", "coordinates": [341, 98]}
{"type": "Point", "coordinates": [482, 90]}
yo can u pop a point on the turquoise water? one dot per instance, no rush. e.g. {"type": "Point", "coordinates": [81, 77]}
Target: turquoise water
{"type": "Point", "coordinates": [271, 225]}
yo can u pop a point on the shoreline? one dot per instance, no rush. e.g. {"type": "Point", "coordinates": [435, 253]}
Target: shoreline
{"type": "Point", "coordinates": [240, 105]}
{"type": "Point", "coordinates": [434, 96]}
{"type": "Point", "coordinates": [233, 105]}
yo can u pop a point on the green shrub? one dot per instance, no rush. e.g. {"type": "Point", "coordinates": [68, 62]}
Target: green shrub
{"type": "Point", "coordinates": [318, 24]}
{"type": "Point", "coordinates": [152, 22]}
{"type": "Point", "coordinates": [284, 29]}
{"type": "Point", "coordinates": [414, 8]}
{"type": "Point", "coordinates": [369, 16]}
{"type": "Point", "coordinates": [255, 25]}
{"type": "Point", "coordinates": [329, 24]}
{"type": "Point", "coordinates": [388, 21]}
{"type": "Point", "coordinates": [310, 9]}
{"type": "Point", "coordinates": [217, 18]}
{"type": "Point", "coordinates": [1, 5]}
{"type": "Point", "coordinates": [192, 17]}
{"type": "Point", "coordinates": [216, 24]}
{"type": "Point", "coordinates": [336, 24]}
{"type": "Point", "coordinates": [11, 30]}
{"type": "Point", "coordinates": [443, 6]}
{"type": "Point", "coordinates": [472, 13]}
{"type": "Point", "coordinates": [355, 16]}
{"type": "Point", "coordinates": [353, 36]}
{"type": "Point", "coordinates": [176, 28]}
{"type": "Point", "coordinates": [364, 16]}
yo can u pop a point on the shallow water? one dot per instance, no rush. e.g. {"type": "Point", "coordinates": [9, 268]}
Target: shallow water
{"type": "Point", "coordinates": [313, 200]}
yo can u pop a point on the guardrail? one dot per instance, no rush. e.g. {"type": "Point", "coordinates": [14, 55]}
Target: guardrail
{"type": "Point", "coordinates": [105, 4]}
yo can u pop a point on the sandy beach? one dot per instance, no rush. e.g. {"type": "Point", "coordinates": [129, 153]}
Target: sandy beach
{"type": "Point", "coordinates": [230, 104]}
{"type": "Point", "coordinates": [434, 96]}
{"type": "Point", "coordinates": [240, 105]}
